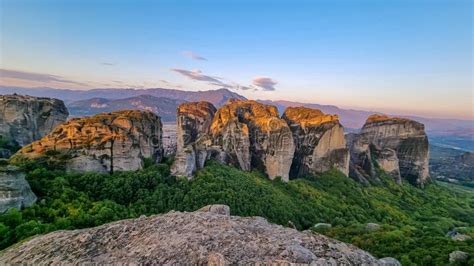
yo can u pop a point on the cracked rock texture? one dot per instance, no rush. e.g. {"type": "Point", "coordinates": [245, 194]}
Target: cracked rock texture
{"type": "Point", "coordinates": [253, 136]}
{"type": "Point", "coordinates": [192, 130]}
{"type": "Point", "coordinates": [104, 142]}
{"type": "Point", "coordinates": [15, 192]}
{"type": "Point", "coordinates": [319, 139]}
{"type": "Point", "coordinates": [399, 146]}
{"type": "Point", "coordinates": [209, 236]}
{"type": "Point", "coordinates": [24, 119]}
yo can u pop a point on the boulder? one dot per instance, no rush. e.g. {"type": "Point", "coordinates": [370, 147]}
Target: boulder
{"type": "Point", "coordinates": [319, 140]}
{"type": "Point", "coordinates": [398, 146]}
{"type": "Point", "coordinates": [322, 226]}
{"type": "Point", "coordinates": [253, 136]}
{"type": "Point", "coordinates": [193, 127]}
{"type": "Point", "coordinates": [372, 227]}
{"type": "Point", "coordinates": [458, 256]}
{"type": "Point", "coordinates": [105, 142]}
{"type": "Point", "coordinates": [186, 238]}
{"type": "Point", "coordinates": [15, 192]}
{"type": "Point", "coordinates": [389, 261]}
{"type": "Point", "coordinates": [24, 119]}
{"type": "Point", "coordinates": [216, 208]}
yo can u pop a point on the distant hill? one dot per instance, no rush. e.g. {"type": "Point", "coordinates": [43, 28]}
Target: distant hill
{"type": "Point", "coordinates": [164, 107]}
{"type": "Point", "coordinates": [453, 132]}
{"type": "Point", "coordinates": [216, 97]}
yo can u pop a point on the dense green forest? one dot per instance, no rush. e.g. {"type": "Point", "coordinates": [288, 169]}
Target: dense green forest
{"type": "Point", "coordinates": [413, 222]}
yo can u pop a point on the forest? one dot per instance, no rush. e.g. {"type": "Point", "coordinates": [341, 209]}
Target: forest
{"type": "Point", "coordinates": [413, 222]}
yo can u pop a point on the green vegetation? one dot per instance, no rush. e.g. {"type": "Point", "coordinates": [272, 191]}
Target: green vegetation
{"type": "Point", "coordinates": [413, 222]}
{"type": "Point", "coordinates": [8, 144]}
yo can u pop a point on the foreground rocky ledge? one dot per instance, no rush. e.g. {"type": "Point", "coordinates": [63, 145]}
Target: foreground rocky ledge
{"type": "Point", "coordinates": [207, 236]}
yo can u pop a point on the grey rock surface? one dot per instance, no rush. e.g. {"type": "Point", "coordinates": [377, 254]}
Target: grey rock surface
{"type": "Point", "coordinates": [458, 256]}
{"type": "Point", "coordinates": [15, 192]}
{"type": "Point", "coordinates": [399, 146]}
{"type": "Point", "coordinates": [187, 238]}
{"type": "Point", "coordinates": [24, 119]}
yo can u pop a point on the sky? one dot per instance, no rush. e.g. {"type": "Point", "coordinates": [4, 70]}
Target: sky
{"type": "Point", "coordinates": [405, 57]}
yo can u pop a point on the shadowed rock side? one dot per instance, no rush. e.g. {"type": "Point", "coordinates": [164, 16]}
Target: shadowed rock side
{"type": "Point", "coordinates": [253, 136]}
{"type": "Point", "coordinates": [25, 119]}
{"type": "Point", "coordinates": [398, 146]}
{"type": "Point", "coordinates": [209, 236]}
{"type": "Point", "coordinates": [15, 192]}
{"type": "Point", "coordinates": [193, 126]}
{"type": "Point", "coordinates": [319, 141]}
{"type": "Point", "coordinates": [102, 143]}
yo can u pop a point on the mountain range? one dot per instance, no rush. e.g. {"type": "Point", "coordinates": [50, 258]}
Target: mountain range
{"type": "Point", "coordinates": [454, 133]}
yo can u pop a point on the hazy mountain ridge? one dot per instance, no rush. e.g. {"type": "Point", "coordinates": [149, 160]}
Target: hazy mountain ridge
{"type": "Point", "coordinates": [164, 107]}
{"type": "Point", "coordinates": [216, 97]}
{"type": "Point", "coordinates": [462, 130]}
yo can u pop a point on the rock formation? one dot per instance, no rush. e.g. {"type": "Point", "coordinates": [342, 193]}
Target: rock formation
{"type": "Point", "coordinates": [15, 192]}
{"type": "Point", "coordinates": [204, 237]}
{"type": "Point", "coordinates": [24, 119]}
{"type": "Point", "coordinates": [102, 143]}
{"type": "Point", "coordinates": [398, 146]}
{"type": "Point", "coordinates": [319, 140]}
{"type": "Point", "coordinates": [253, 136]}
{"type": "Point", "coordinates": [193, 127]}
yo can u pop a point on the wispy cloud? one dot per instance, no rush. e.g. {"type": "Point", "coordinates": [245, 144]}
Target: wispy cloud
{"type": "Point", "coordinates": [266, 83]}
{"type": "Point", "coordinates": [198, 75]}
{"type": "Point", "coordinates": [193, 56]}
{"type": "Point", "coordinates": [37, 77]}
{"type": "Point", "coordinates": [108, 64]}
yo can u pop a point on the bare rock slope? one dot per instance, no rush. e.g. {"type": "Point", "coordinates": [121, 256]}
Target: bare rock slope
{"type": "Point", "coordinates": [209, 236]}
{"type": "Point", "coordinates": [105, 142]}
{"type": "Point", "coordinates": [253, 136]}
{"type": "Point", "coordinates": [25, 119]}
{"type": "Point", "coordinates": [193, 127]}
{"type": "Point", "coordinates": [399, 146]}
{"type": "Point", "coordinates": [320, 142]}
{"type": "Point", "coordinates": [15, 192]}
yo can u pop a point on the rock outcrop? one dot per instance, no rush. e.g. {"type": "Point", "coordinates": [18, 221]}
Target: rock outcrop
{"type": "Point", "coordinates": [253, 136]}
{"type": "Point", "coordinates": [15, 192]}
{"type": "Point", "coordinates": [24, 119]}
{"type": "Point", "coordinates": [196, 238]}
{"type": "Point", "coordinates": [193, 127]}
{"type": "Point", "coordinates": [102, 143]}
{"type": "Point", "coordinates": [319, 140]}
{"type": "Point", "coordinates": [398, 146]}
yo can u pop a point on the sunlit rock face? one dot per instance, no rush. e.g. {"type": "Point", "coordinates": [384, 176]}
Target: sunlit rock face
{"type": "Point", "coordinates": [399, 146]}
{"type": "Point", "coordinates": [15, 192]}
{"type": "Point", "coordinates": [193, 127]}
{"type": "Point", "coordinates": [253, 136]}
{"type": "Point", "coordinates": [319, 140]}
{"type": "Point", "coordinates": [24, 119]}
{"type": "Point", "coordinates": [106, 142]}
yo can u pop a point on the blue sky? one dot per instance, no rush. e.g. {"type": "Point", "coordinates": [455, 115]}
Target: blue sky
{"type": "Point", "coordinates": [394, 56]}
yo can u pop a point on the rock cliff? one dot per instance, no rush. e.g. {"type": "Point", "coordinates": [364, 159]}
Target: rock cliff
{"type": "Point", "coordinates": [193, 127]}
{"type": "Point", "coordinates": [253, 136]}
{"type": "Point", "coordinates": [398, 146]}
{"type": "Point", "coordinates": [15, 192]}
{"type": "Point", "coordinates": [25, 119]}
{"type": "Point", "coordinates": [103, 143]}
{"type": "Point", "coordinates": [319, 140]}
{"type": "Point", "coordinates": [209, 236]}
